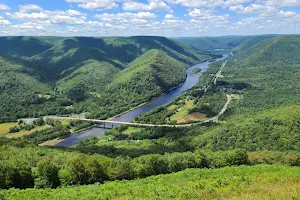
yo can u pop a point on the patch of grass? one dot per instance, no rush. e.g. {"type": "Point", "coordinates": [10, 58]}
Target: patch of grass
{"type": "Point", "coordinates": [183, 110]}
{"type": "Point", "coordinates": [65, 122]}
{"type": "Point", "coordinates": [173, 107]}
{"type": "Point", "coordinates": [132, 130]}
{"type": "Point", "coordinates": [4, 127]}
{"type": "Point", "coordinates": [243, 182]}
{"type": "Point", "coordinates": [25, 132]}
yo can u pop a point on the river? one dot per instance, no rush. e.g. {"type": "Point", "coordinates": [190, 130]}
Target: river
{"type": "Point", "coordinates": [190, 81]}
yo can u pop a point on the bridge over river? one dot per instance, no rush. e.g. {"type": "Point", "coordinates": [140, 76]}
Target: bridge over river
{"type": "Point", "coordinates": [128, 118]}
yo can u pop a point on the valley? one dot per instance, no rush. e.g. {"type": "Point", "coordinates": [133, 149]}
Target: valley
{"type": "Point", "coordinates": [185, 120]}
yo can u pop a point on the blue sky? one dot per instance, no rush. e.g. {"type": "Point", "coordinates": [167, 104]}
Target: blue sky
{"type": "Point", "coordinates": [171, 18]}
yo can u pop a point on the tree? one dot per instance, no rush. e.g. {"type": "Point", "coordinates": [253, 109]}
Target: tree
{"type": "Point", "coordinates": [46, 174]}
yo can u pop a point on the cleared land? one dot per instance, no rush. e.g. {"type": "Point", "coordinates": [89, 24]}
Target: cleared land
{"type": "Point", "coordinates": [4, 130]}
{"type": "Point", "coordinates": [183, 110]}
{"type": "Point", "coordinates": [196, 116]}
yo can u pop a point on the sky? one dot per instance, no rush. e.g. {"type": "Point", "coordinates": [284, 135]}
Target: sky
{"type": "Point", "coordinates": [170, 18]}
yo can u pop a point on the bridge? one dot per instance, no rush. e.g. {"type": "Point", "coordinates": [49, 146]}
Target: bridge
{"type": "Point", "coordinates": [124, 123]}
{"type": "Point", "coordinates": [99, 121]}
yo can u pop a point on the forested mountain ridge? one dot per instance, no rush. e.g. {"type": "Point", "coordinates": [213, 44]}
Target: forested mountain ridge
{"type": "Point", "coordinates": [266, 117]}
{"type": "Point", "coordinates": [214, 44]}
{"type": "Point", "coordinates": [81, 71]}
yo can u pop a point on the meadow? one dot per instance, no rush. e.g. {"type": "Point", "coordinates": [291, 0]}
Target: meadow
{"type": "Point", "coordinates": [243, 182]}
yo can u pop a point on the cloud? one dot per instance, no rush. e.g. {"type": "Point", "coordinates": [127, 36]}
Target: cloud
{"type": "Point", "coordinates": [197, 3]}
{"type": "Point", "coordinates": [29, 7]}
{"type": "Point", "coordinates": [4, 7]}
{"type": "Point", "coordinates": [236, 2]}
{"type": "Point", "coordinates": [125, 17]}
{"type": "Point", "coordinates": [95, 4]}
{"type": "Point", "coordinates": [253, 9]}
{"type": "Point", "coordinates": [50, 17]}
{"type": "Point", "coordinates": [194, 18]}
{"type": "Point", "coordinates": [4, 22]}
{"type": "Point", "coordinates": [207, 17]}
{"type": "Point", "coordinates": [153, 5]}
{"type": "Point", "coordinates": [281, 3]}
{"type": "Point", "coordinates": [169, 16]}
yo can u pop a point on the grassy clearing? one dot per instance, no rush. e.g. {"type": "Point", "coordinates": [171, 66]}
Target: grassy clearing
{"type": "Point", "coordinates": [25, 132]}
{"type": "Point", "coordinates": [243, 182]}
{"type": "Point", "coordinates": [65, 122]}
{"type": "Point", "coordinates": [173, 107]}
{"type": "Point", "coordinates": [183, 110]}
{"type": "Point", "coordinates": [132, 130]}
{"type": "Point", "coordinates": [4, 127]}
{"type": "Point", "coordinates": [196, 116]}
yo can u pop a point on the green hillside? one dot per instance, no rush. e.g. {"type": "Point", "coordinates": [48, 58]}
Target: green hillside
{"type": "Point", "coordinates": [269, 73]}
{"type": "Point", "coordinates": [21, 90]}
{"type": "Point", "coordinates": [83, 72]}
{"type": "Point", "coordinates": [257, 182]}
{"type": "Point", "coordinates": [250, 43]}
{"type": "Point", "coordinates": [214, 44]}
{"type": "Point", "coordinates": [152, 73]}
{"type": "Point", "coordinates": [22, 46]}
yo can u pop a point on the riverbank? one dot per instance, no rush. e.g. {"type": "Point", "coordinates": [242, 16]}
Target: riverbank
{"type": "Point", "coordinates": [56, 141]}
{"type": "Point", "coordinates": [142, 104]}
{"type": "Point", "coordinates": [130, 115]}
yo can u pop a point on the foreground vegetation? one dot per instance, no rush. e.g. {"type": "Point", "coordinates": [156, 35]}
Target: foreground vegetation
{"type": "Point", "coordinates": [244, 182]}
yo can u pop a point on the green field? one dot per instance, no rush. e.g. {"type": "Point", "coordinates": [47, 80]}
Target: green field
{"type": "Point", "coordinates": [183, 110]}
{"type": "Point", "coordinates": [24, 132]}
{"type": "Point", "coordinates": [4, 130]}
{"type": "Point", "coordinates": [132, 130]}
{"type": "Point", "coordinates": [244, 182]}
{"type": "Point", "coordinates": [4, 127]}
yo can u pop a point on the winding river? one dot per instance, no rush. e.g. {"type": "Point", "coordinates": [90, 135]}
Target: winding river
{"type": "Point", "coordinates": [190, 81]}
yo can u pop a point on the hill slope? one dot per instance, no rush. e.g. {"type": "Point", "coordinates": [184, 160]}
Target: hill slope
{"type": "Point", "coordinates": [84, 71]}
{"type": "Point", "coordinates": [213, 44]}
{"type": "Point", "coordinates": [266, 117]}
{"type": "Point", "coordinates": [258, 182]}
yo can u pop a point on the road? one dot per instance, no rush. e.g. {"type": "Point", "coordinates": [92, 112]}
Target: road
{"type": "Point", "coordinates": [219, 72]}
{"type": "Point", "coordinates": [213, 119]}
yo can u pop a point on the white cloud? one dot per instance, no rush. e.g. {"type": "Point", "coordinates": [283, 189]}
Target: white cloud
{"type": "Point", "coordinates": [236, 2]}
{"type": "Point", "coordinates": [202, 17]}
{"type": "Point", "coordinates": [50, 17]}
{"type": "Point", "coordinates": [4, 7]}
{"type": "Point", "coordinates": [207, 17]}
{"type": "Point", "coordinates": [170, 16]}
{"type": "Point", "coordinates": [125, 17]}
{"type": "Point", "coordinates": [281, 3]}
{"type": "Point", "coordinates": [29, 7]}
{"type": "Point", "coordinates": [153, 5]}
{"type": "Point", "coordinates": [197, 3]}
{"type": "Point", "coordinates": [253, 9]}
{"type": "Point", "coordinates": [95, 4]}
{"type": "Point", "coordinates": [4, 22]}
{"type": "Point", "coordinates": [203, 14]}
